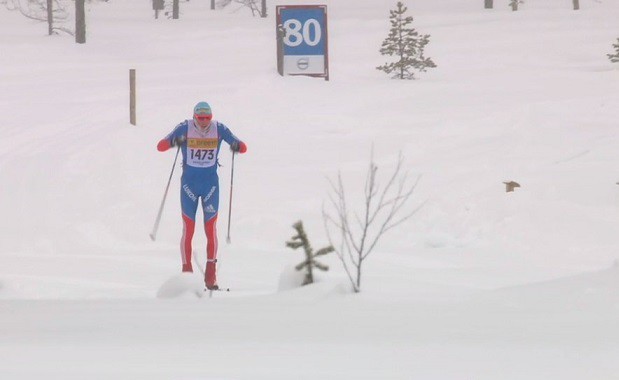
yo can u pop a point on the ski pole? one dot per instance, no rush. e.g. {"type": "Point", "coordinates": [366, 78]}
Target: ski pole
{"type": "Point", "coordinates": [230, 201]}
{"type": "Point", "coordinates": [153, 234]}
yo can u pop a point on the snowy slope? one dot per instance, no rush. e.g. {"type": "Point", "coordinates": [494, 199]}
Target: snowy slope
{"type": "Point", "coordinates": [480, 284]}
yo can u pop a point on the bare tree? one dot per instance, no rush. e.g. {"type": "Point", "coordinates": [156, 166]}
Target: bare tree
{"type": "Point", "coordinates": [251, 4]}
{"type": "Point", "coordinates": [54, 12]}
{"type": "Point", "coordinates": [356, 235]}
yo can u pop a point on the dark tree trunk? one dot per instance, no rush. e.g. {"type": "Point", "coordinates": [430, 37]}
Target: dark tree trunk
{"type": "Point", "coordinates": [212, 4]}
{"type": "Point", "coordinates": [80, 22]}
{"type": "Point", "coordinates": [263, 12]}
{"type": "Point", "coordinates": [488, 4]}
{"type": "Point", "coordinates": [175, 9]}
{"type": "Point", "coordinates": [576, 4]}
{"type": "Point", "coordinates": [50, 18]}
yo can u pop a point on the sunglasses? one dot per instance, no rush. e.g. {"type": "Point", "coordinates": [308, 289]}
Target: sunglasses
{"type": "Point", "coordinates": [204, 117]}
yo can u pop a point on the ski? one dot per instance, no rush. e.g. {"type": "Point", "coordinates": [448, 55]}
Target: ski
{"type": "Point", "coordinates": [217, 290]}
{"type": "Point", "coordinates": [211, 291]}
{"type": "Point", "coordinates": [210, 294]}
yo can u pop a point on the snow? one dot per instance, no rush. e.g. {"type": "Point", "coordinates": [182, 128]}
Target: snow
{"type": "Point", "coordinates": [479, 284]}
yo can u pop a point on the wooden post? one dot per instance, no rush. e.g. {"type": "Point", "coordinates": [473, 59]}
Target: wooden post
{"type": "Point", "coordinates": [212, 4]}
{"type": "Point", "coordinates": [576, 5]}
{"type": "Point", "coordinates": [488, 4]}
{"type": "Point", "coordinates": [132, 96]}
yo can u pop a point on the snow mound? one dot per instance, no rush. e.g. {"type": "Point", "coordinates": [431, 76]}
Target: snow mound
{"type": "Point", "coordinates": [596, 291]}
{"type": "Point", "coordinates": [290, 278]}
{"type": "Point", "coordinates": [182, 285]}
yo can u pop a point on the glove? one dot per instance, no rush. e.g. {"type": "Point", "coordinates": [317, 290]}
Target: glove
{"type": "Point", "coordinates": [235, 147]}
{"type": "Point", "coordinates": [178, 141]}
{"type": "Point", "coordinates": [238, 147]}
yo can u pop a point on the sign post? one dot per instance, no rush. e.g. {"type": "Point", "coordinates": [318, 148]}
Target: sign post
{"type": "Point", "coordinates": [302, 43]}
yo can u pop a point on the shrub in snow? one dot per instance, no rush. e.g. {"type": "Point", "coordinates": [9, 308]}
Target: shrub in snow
{"type": "Point", "coordinates": [301, 240]}
{"type": "Point", "coordinates": [514, 4]}
{"type": "Point", "coordinates": [614, 57]}
{"type": "Point", "coordinates": [406, 44]}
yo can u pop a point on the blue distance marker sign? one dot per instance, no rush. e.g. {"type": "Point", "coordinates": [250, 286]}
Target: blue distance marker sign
{"type": "Point", "coordinates": [302, 40]}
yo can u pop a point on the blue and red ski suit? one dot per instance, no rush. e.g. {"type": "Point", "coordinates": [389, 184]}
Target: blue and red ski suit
{"type": "Point", "coordinates": [200, 148]}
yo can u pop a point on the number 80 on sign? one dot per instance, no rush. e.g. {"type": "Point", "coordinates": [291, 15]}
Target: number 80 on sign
{"type": "Point", "coordinates": [302, 40]}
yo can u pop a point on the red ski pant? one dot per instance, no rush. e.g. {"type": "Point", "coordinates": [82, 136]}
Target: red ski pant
{"type": "Point", "coordinates": [191, 194]}
{"type": "Point", "coordinates": [210, 228]}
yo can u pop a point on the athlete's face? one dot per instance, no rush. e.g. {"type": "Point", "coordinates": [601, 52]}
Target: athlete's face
{"type": "Point", "coordinates": [203, 121]}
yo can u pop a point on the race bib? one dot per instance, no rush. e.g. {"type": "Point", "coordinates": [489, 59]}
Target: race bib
{"type": "Point", "coordinates": [202, 146]}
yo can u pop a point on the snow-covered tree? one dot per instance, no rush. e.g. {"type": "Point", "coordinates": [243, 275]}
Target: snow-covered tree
{"type": "Point", "coordinates": [301, 240]}
{"type": "Point", "coordinates": [614, 57]}
{"type": "Point", "coordinates": [406, 44]}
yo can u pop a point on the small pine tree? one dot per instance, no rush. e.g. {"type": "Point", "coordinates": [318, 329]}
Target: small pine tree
{"type": "Point", "coordinates": [301, 240]}
{"type": "Point", "coordinates": [514, 4]}
{"type": "Point", "coordinates": [614, 58]}
{"type": "Point", "coordinates": [406, 44]}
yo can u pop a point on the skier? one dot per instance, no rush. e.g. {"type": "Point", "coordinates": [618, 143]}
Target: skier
{"type": "Point", "coordinates": [200, 140]}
